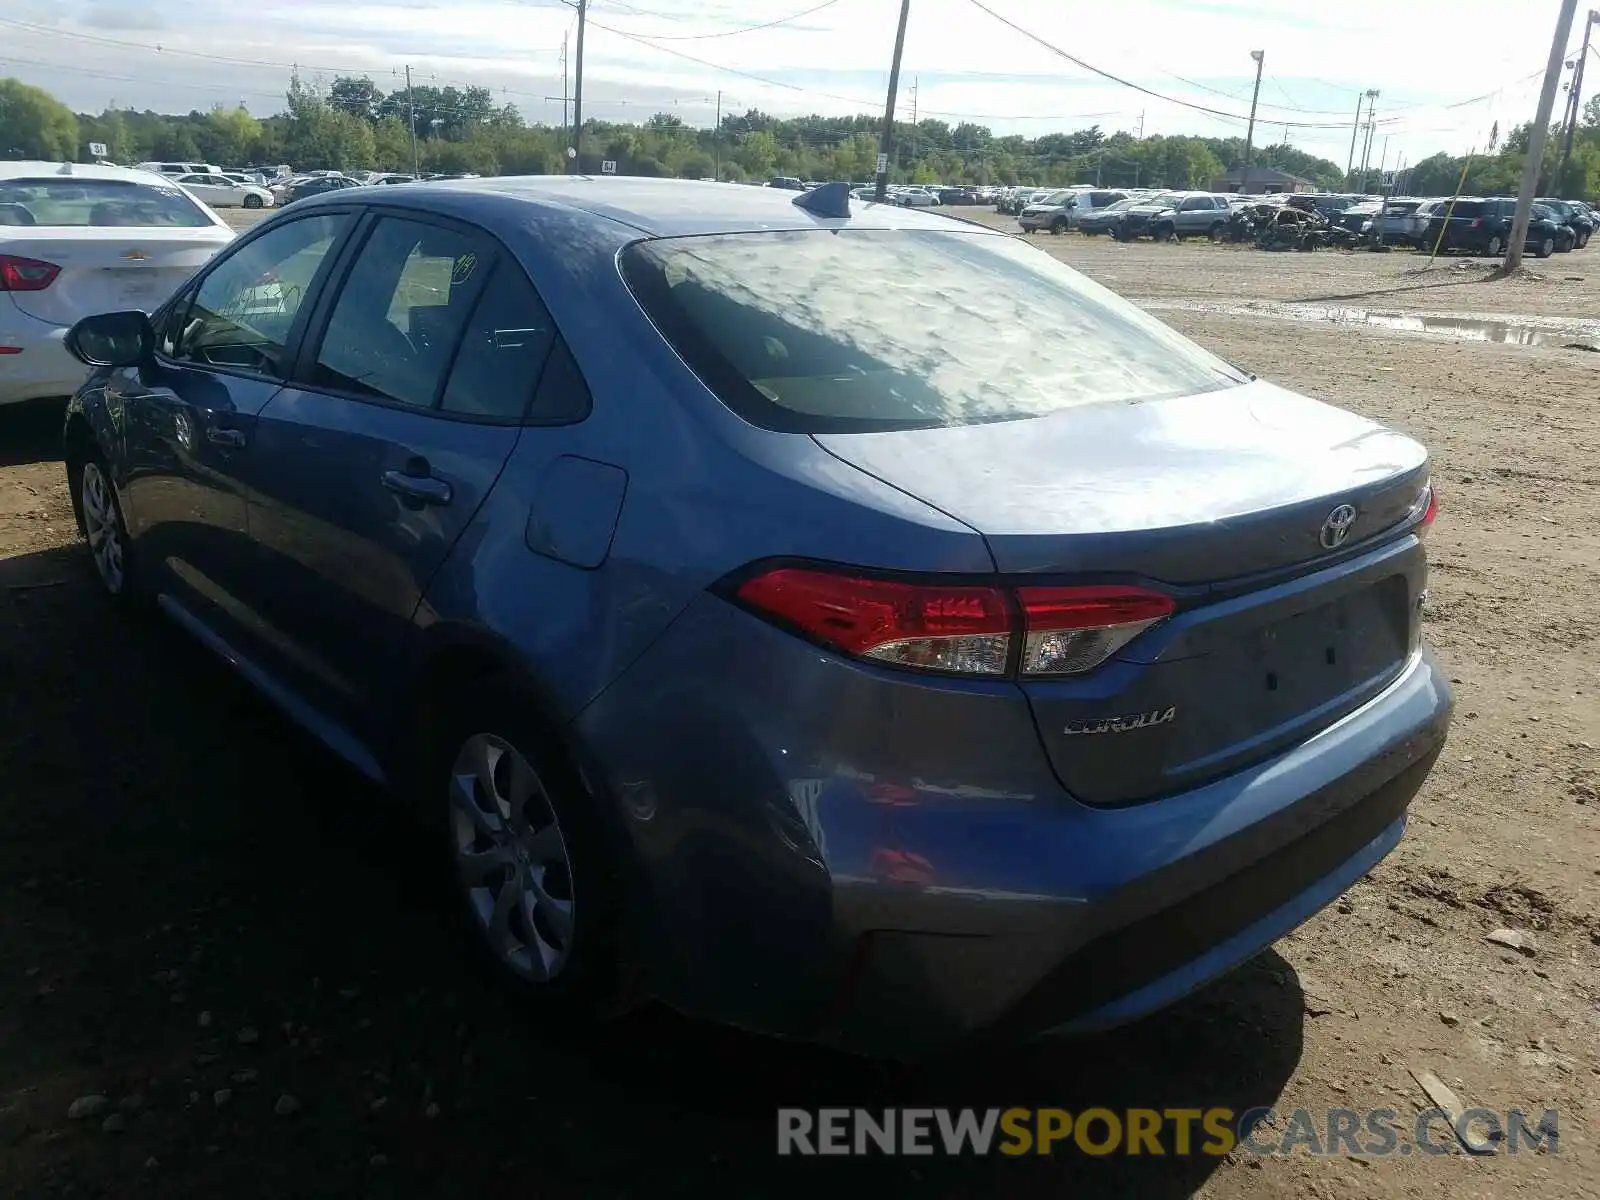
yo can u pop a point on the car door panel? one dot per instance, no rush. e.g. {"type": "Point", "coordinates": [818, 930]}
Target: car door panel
{"type": "Point", "coordinates": [224, 348]}
{"type": "Point", "coordinates": [359, 483]}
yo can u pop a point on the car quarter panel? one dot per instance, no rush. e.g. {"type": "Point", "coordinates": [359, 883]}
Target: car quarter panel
{"type": "Point", "coordinates": [705, 493]}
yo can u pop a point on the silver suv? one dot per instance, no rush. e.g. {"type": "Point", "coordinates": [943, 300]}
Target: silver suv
{"type": "Point", "coordinates": [1175, 215]}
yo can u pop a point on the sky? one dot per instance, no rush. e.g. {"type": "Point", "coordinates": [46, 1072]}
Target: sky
{"type": "Point", "coordinates": [1441, 91]}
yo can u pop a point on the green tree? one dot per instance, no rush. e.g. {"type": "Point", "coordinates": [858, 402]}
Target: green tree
{"type": "Point", "coordinates": [356, 95]}
{"type": "Point", "coordinates": [391, 145]}
{"type": "Point", "coordinates": [34, 124]}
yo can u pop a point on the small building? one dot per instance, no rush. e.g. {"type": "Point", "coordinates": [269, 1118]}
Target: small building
{"type": "Point", "coordinates": [1263, 180]}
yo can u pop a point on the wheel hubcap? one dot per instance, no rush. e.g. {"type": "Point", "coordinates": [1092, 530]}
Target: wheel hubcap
{"type": "Point", "coordinates": [511, 859]}
{"type": "Point", "coordinates": [103, 526]}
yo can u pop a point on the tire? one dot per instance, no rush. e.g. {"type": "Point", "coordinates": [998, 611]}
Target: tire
{"type": "Point", "coordinates": [537, 890]}
{"type": "Point", "coordinates": [1583, 240]}
{"type": "Point", "coordinates": [1216, 231]}
{"type": "Point", "coordinates": [95, 500]}
{"type": "Point", "coordinates": [1546, 248]}
{"type": "Point", "coordinates": [1059, 225]}
{"type": "Point", "coordinates": [1495, 246]}
{"type": "Point", "coordinates": [252, 201]}
{"type": "Point", "coordinates": [1163, 233]}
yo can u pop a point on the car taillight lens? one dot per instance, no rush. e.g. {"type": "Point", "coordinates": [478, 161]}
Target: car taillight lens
{"type": "Point", "coordinates": [26, 274]}
{"type": "Point", "coordinates": [1477, 223]}
{"type": "Point", "coordinates": [956, 628]}
{"type": "Point", "coordinates": [1425, 509]}
{"type": "Point", "coordinates": [1072, 629]}
{"type": "Point", "coordinates": [966, 630]}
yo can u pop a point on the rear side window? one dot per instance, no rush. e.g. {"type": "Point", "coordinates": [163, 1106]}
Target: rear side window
{"type": "Point", "coordinates": [98, 203]}
{"type": "Point", "coordinates": [401, 312]}
{"type": "Point", "coordinates": [855, 330]}
{"type": "Point", "coordinates": [506, 344]}
{"type": "Point", "coordinates": [1467, 208]}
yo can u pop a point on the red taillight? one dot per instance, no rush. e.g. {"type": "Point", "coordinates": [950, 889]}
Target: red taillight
{"type": "Point", "coordinates": [1425, 509]}
{"type": "Point", "coordinates": [1477, 223]}
{"type": "Point", "coordinates": [26, 274]}
{"type": "Point", "coordinates": [961, 629]}
{"type": "Point", "coordinates": [957, 628]}
{"type": "Point", "coordinates": [1072, 629]}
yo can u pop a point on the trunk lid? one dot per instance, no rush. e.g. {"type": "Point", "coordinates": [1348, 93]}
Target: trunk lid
{"type": "Point", "coordinates": [104, 269]}
{"type": "Point", "coordinates": [1221, 500]}
{"type": "Point", "coordinates": [1193, 490]}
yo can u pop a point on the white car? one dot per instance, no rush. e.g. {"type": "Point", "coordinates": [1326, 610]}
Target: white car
{"type": "Point", "coordinates": [77, 240]}
{"type": "Point", "coordinates": [221, 192]}
{"type": "Point", "coordinates": [917, 197]}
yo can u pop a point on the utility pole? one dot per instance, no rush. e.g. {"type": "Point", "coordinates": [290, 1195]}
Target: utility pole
{"type": "Point", "coordinates": [575, 150]}
{"type": "Point", "coordinates": [886, 146]}
{"type": "Point", "coordinates": [1536, 137]}
{"type": "Point", "coordinates": [915, 80]}
{"type": "Point", "coordinates": [566, 94]}
{"type": "Point", "coordinates": [1372, 125]}
{"type": "Point", "coordinates": [1575, 100]}
{"type": "Point", "coordinates": [411, 119]}
{"type": "Point", "coordinates": [1250, 131]}
{"type": "Point", "coordinates": [716, 142]}
{"type": "Point", "coordinates": [1355, 132]}
{"type": "Point", "coordinates": [1141, 128]}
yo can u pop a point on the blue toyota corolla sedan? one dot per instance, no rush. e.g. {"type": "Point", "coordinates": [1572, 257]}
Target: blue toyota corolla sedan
{"type": "Point", "coordinates": [836, 620]}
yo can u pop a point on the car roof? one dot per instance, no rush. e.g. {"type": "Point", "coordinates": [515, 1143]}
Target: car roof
{"type": "Point", "coordinates": [40, 169]}
{"type": "Point", "coordinates": [657, 207]}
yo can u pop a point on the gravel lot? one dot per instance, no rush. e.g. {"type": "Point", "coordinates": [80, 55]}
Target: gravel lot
{"type": "Point", "coordinates": [201, 913]}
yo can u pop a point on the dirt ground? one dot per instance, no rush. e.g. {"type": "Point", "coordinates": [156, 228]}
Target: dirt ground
{"type": "Point", "coordinates": [201, 912]}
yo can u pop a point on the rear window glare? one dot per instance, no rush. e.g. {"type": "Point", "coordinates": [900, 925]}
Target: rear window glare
{"type": "Point", "coordinates": [861, 330]}
{"type": "Point", "coordinates": [97, 203]}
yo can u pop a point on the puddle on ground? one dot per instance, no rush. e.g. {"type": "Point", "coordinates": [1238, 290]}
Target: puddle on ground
{"type": "Point", "coordinates": [1463, 327]}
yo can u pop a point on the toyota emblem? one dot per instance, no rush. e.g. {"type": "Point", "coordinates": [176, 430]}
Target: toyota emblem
{"type": "Point", "coordinates": [1336, 527]}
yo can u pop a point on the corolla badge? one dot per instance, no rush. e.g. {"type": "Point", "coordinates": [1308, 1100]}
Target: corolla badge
{"type": "Point", "coordinates": [1125, 724]}
{"type": "Point", "coordinates": [1336, 526]}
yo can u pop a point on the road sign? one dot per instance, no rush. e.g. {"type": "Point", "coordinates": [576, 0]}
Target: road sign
{"type": "Point", "coordinates": [98, 149]}
{"type": "Point", "coordinates": [608, 166]}
{"type": "Point", "coordinates": [883, 164]}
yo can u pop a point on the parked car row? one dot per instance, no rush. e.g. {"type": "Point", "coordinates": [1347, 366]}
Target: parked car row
{"type": "Point", "coordinates": [1472, 224]}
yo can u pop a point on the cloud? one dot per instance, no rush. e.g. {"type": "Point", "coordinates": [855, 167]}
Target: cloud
{"type": "Point", "coordinates": [960, 64]}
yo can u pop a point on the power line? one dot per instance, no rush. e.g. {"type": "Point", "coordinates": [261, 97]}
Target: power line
{"type": "Point", "coordinates": [696, 37]}
{"type": "Point", "coordinates": [1128, 83]}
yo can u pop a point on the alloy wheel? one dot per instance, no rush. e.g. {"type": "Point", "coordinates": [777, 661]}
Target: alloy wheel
{"type": "Point", "coordinates": [511, 859]}
{"type": "Point", "coordinates": [102, 523]}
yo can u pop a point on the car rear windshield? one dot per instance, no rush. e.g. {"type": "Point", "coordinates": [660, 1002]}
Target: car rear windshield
{"type": "Point", "coordinates": [855, 330]}
{"type": "Point", "coordinates": [108, 203]}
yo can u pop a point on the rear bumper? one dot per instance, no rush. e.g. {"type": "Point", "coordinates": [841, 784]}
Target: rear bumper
{"type": "Point", "coordinates": [820, 851]}
{"type": "Point", "coordinates": [43, 367]}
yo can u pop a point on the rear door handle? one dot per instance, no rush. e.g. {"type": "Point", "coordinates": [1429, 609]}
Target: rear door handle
{"type": "Point", "coordinates": [226, 437]}
{"type": "Point", "coordinates": [423, 488]}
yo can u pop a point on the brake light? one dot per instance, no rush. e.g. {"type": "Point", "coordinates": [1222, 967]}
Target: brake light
{"type": "Point", "coordinates": [966, 630]}
{"type": "Point", "coordinates": [1477, 223]}
{"type": "Point", "coordinates": [956, 628]}
{"type": "Point", "coordinates": [26, 274]}
{"type": "Point", "coordinates": [1070, 630]}
{"type": "Point", "coordinates": [1425, 509]}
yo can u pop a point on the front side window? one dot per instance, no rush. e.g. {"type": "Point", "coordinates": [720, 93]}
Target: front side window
{"type": "Point", "coordinates": [244, 308]}
{"type": "Point", "coordinates": [98, 203]}
{"type": "Point", "coordinates": [855, 330]}
{"type": "Point", "coordinates": [401, 312]}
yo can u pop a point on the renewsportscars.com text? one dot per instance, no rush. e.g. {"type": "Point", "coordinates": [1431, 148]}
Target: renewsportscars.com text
{"type": "Point", "coordinates": [1366, 1133]}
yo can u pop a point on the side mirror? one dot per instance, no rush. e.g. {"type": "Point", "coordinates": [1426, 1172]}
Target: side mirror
{"type": "Point", "coordinates": [114, 339]}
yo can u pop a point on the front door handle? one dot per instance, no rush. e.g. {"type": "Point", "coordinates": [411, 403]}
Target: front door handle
{"type": "Point", "coordinates": [423, 488]}
{"type": "Point", "coordinates": [233, 438]}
